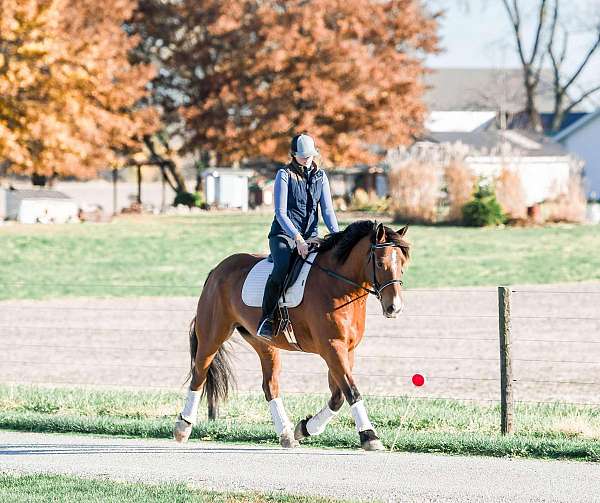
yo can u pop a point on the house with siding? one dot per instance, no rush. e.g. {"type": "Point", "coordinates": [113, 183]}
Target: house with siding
{"type": "Point", "coordinates": [582, 138]}
{"type": "Point", "coordinates": [543, 166]}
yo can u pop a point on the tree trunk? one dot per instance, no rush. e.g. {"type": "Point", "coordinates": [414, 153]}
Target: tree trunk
{"type": "Point", "coordinates": [176, 179]}
{"type": "Point", "coordinates": [177, 175]}
{"type": "Point", "coordinates": [139, 185]}
{"type": "Point", "coordinates": [531, 110]}
{"type": "Point", "coordinates": [115, 176]}
{"type": "Point", "coordinates": [559, 112]}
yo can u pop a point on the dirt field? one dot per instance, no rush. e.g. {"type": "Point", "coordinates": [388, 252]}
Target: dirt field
{"type": "Point", "coordinates": [450, 336]}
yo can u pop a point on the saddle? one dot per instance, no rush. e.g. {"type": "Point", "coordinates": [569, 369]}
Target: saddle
{"type": "Point", "coordinates": [292, 290]}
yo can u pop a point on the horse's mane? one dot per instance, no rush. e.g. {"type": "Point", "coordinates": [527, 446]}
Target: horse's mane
{"type": "Point", "coordinates": [343, 242]}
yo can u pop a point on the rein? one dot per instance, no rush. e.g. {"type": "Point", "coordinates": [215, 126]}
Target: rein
{"type": "Point", "coordinates": [378, 287]}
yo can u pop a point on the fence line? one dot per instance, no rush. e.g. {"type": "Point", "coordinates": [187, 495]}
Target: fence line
{"type": "Point", "coordinates": [557, 292]}
{"type": "Point", "coordinates": [570, 318]}
{"type": "Point", "coordinates": [528, 376]}
{"type": "Point", "coordinates": [180, 388]}
{"type": "Point", "coordinates": [533, 360]}
{"type": "Point", "coordinates": [186, 350]}
{"type": "Point", "coordinates": [156, 366]}
{"type": "Point", "coordinates": [457, 290]}
{"type": "Point", "coordinates": [248, 391]}
{"type": "Point", "coordinates": [571, 341]}
{"type": "Point", "coordinates": [184, 330]}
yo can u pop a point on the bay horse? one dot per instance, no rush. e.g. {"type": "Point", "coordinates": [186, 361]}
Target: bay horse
{"type": "Point", "coordinates": [365, 258]}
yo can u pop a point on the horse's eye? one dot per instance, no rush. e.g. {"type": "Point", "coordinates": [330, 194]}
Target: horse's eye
{"type": "Point", "coordinates": [379, 263]}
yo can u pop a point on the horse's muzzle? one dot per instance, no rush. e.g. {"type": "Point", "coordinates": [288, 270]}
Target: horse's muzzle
{"type": "Point", "coordinates": [394, 309]}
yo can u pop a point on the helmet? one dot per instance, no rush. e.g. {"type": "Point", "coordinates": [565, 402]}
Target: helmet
{"type": "Point", "coordinates": [303, 146]}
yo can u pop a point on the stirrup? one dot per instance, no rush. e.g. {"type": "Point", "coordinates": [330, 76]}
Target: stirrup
{"type": "Point", "coordinates": [284, 326]}
{"type": "Point", "coordinates": [263, 336]}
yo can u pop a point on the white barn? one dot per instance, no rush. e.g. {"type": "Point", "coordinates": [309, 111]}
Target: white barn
{"type": "Point", "coordinates": [582, 138]}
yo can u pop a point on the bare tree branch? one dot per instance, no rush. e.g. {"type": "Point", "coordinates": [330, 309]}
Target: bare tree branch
{"type": "Point", "coordinates": [576, 102]}
{"type": "Point", "coordinates": [541, 22]}
{"type": "Point", "coordinates": [555, 63]}
{"type": "Point", "coordinates": [589, 54]}
{"type": "Point", "coordinates": [516, 22]}
{"type": "Point", "coordinates": [563, 53]}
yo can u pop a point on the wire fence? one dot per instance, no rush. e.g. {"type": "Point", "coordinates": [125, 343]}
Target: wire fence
{"type": "Point", "coordinates": [448, 335]}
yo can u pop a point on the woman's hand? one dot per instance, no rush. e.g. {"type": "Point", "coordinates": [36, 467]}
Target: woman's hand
{"type": "Point", "coordinates": [302, 247]}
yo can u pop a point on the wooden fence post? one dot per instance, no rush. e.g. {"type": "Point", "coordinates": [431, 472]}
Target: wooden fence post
{"type": "Point", "coordinates": [506, 378]}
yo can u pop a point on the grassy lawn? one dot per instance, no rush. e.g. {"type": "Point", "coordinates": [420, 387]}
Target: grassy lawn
{"type": "Point", "coordinates": [52, 488]}
{"type": "Point", "coordinates": [453, 427]}
{"type": "Point", "coordinates": [171, 256]}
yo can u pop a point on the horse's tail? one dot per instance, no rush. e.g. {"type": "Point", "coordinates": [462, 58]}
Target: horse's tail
{"type": "Point", "coordinates": [219, 378]}
{"type": "Point", "coordinates": [193, 348]}
{"type": "Point", "coordinates": [194, 339]}
{"type": "Point", "coordinates": [218, 381]}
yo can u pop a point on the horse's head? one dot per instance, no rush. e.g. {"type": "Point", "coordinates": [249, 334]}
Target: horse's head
{"type": "Point", "coordinates": [388, 256]}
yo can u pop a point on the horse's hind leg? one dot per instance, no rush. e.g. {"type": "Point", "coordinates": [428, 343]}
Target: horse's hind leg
{"type": "Point", "coordinates": [315, 425]}
{"type": "Point", "coordinates": [270, 362]}
{"type": "Point", "coordinates": [210, 354]}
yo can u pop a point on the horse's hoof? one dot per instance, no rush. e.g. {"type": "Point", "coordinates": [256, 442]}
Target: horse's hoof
{"type": "Point", "coordinates": [300, 432]}
{"type": "Point", "coordinates": [287, 439]}
{"type": "Point", "coordinates": [369, 441]}
{"type": "Point", "coordinates": [373, 445]}
{"type": "Point", "coordinates": [182, 430]}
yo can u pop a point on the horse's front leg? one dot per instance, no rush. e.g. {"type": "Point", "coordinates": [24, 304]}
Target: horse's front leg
{"type": "Point", "coordinates": [271, 368]}
{"type": "Point", "coordinates": [315, 425]}
{"type": "Point", "coordinates": [340, 367]}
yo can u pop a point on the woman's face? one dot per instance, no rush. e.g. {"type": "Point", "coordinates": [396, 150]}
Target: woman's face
{"type": "Point", "coordinates": [304, 161]}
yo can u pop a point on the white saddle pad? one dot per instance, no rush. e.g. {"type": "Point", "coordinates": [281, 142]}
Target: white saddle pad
{"type": "Point", "coordinates": [254, 284]}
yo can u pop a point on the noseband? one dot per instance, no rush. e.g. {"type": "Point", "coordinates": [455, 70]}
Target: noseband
{"type": "Point", "coordinates": [377, 287]}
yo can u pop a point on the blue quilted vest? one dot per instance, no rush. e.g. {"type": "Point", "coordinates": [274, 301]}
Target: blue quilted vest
{"type": "Point", "coordinates": [302, 201]}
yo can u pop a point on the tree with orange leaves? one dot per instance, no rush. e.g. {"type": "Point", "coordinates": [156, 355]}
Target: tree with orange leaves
{"type": "Point", "coordinates": [245, 75]}
{"type": "Point", "coordinates": [68, 93]}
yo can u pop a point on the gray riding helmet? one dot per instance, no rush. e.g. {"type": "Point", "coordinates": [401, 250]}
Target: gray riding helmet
{"type": "Point", "coordinates": [303, 145]}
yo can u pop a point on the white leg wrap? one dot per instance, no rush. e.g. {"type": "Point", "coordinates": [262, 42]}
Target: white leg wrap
{"type": "Point", "coordinates": [280, 417]}
{"type": "Point", "coordinates": [316, 424]}
{"type": "Point", "coordinates": [359, 413]}
{"type": "Point", "coordinates": [190, 409]}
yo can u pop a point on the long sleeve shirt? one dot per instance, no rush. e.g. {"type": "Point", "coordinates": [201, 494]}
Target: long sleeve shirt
{"type": "Point", "coordinates": [280, 196]}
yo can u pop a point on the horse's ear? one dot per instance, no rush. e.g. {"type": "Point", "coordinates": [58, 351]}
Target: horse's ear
{"type": "Point", "coordinates": [402, 231]}
{"type": "Point", "coordinates": [380, 233]}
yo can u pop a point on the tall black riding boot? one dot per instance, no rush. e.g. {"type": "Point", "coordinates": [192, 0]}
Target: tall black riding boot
{"type": "Point", "coordinates": [271, 297]}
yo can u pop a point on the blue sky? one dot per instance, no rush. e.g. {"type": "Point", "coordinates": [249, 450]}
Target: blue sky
{"type": "Point", "coordinates": [477, 33]}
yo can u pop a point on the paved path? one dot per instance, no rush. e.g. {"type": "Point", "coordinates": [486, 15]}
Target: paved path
{"type": "Point", "coordinates": [335, 473]}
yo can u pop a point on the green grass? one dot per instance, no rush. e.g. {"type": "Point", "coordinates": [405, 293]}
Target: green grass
{"type": "Point", "coordinates": [171, 256]}
{"type": "Point", "coordinates": [66, 489]}
{"type": "Point", "coordinates": [452, 427]}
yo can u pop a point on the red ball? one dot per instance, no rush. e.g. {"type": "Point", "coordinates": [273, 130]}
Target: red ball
{"type": "Point", "coordinates": [418, 380]}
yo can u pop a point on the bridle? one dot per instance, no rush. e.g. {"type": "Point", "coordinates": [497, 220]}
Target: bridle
{"type": "Point", "coordinates": [377, 287]}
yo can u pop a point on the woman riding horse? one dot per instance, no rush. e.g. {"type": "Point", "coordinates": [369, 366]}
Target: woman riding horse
{"type": "Point", "coordinates": [300, 188]}
{"type": "Point", "coordinates": [365, 258]}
